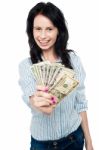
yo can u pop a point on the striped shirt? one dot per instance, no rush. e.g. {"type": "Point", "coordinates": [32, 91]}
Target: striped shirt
{"type": "Point", "coordinates": [65, 118]}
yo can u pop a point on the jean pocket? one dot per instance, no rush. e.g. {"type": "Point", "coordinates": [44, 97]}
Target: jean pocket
{"type": "Point", "coordinates": [69, 141]}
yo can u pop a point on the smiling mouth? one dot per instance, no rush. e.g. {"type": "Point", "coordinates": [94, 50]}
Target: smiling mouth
{"type": "Point", "coordinates": [43, 42]}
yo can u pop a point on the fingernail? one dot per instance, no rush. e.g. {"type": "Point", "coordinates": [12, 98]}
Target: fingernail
{"type": "Point", "coordinates": [53, 99]}
{"type": "Point", "coordinates": [46, 90]}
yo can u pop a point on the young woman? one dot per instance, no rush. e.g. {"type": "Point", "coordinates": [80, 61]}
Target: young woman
{"type": "Point", "coordinates": [64, 127]}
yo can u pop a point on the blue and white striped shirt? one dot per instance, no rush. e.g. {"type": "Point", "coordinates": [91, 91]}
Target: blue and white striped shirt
{"type": "Point", "coordinates": [65, 118]}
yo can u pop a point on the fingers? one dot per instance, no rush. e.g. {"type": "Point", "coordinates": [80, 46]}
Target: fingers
{"type": "Point", "coordinates": [41, 101]}
{"type": "Point", "coordinates": [43, 94]}
{"type": "Point", "coordinates": [42, 88]}
{"type": "Point", "coordinates": [47, 96]}
{"type": "Point", "coordinates": [54, 99]}
{"type": "Point", "coordinates": [47, 110]}
{"type": "Point", "coordinates": [42, 98]}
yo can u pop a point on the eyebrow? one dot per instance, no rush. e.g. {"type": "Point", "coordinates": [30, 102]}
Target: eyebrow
{"type": "Point", "coordinates": [41, 27]}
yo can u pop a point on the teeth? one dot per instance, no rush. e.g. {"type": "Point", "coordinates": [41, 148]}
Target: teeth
{"type": "Point", "coordinates": [43, 42]}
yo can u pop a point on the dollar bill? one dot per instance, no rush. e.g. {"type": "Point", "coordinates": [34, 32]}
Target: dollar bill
{"type": "Point", "coordinates": [59, 79]}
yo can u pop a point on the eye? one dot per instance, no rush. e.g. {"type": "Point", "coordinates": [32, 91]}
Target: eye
{"type": "Point", "coordinates": [37, 28]}
{"type": "Point", "coordinates": [49, 29]}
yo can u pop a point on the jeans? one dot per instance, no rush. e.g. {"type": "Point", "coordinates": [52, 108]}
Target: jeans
{"type": "Point", "coordinates": [74, 141]}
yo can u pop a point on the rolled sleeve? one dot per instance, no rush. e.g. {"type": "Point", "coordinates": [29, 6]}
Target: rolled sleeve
{"type": "Point", "coordinates": [81, 104]}
{"type": "Point", "coordinates": [26, 80]}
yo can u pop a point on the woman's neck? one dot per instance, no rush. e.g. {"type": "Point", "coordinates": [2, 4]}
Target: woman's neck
{"type": "Point", "coordinates": [52, 57]}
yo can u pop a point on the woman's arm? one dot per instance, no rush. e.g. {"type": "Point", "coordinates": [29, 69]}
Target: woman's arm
{"type": "Point", "coordinates": [81, 105]}
{"type": "Point", "coordinates": [85, 127]}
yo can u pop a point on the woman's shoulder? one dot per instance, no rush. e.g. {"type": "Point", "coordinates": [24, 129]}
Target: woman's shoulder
{"type": "Point", "coordinates": [24, 65]}
{"type": "Point", "coordinates": [77, 63]}
{"type": "Point", "coordinates": [25, 62]}
{"type": "Point", "coordinates": [75, 59]}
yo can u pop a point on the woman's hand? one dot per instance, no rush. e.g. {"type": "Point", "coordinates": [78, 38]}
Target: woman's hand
{"type": "Point", "coordinates": [89, 145]}
{"type": "Point", "coordinates": [43, 100]}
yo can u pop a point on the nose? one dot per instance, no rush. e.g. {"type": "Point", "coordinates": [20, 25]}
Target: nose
{"type": "Point", "coordinates": [43, 34]}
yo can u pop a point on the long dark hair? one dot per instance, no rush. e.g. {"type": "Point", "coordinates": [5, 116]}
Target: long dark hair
{"type": "Point", "coordinates": [57, 18]}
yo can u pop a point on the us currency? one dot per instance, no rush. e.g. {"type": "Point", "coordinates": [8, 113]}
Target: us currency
{"type": "Point", "coordinates": [52, 70]}
{"type": "Point", "coordinates": [62, 73]}
{"type": "Point", "coordinates": [58, 94]}
{"type": "Point", "coordinates": [48, 67]}
{"type": "Point", "coordinates": [67, 86]}
{"type": "Point", "coordinates": [39, 72]}
{"type": "Point", "coordinates": [54, 76]}
{"type": "Point", "coordinates": [64, 87]}
{"type": "Point", "coordinates": [69, 71]}
{"type": "Point", "coordinates": [58, 78]}
{"type": "Point", "coordinates": [49, 76]}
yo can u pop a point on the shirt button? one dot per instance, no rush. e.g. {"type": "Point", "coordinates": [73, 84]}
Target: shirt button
{"type": "Point", "coordinates": [71, 138]}
{"type": "Point", "coordinates": [54, 143]}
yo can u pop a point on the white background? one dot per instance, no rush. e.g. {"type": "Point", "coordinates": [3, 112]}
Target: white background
{"type": "Point", "coordinates": [82, 17]}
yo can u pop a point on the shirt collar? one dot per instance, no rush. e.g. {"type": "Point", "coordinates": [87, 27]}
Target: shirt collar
{"type": "Point", "coordinates": [57, 61]}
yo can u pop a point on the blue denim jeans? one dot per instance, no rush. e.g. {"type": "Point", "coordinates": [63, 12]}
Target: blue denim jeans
{"type": "Point", "coordinates": [74, 141]}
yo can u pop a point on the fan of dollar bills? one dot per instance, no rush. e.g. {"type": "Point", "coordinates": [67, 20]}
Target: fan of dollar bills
{"type": "Point", "coordinates": [59, 79]}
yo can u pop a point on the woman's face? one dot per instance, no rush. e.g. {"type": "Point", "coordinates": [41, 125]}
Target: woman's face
{"type": "Point", "coordinates": [44, 32]}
